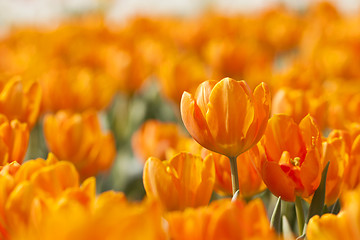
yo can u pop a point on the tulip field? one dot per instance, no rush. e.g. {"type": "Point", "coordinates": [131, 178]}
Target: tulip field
{"type": "Point", "coordinates": [215, 126]}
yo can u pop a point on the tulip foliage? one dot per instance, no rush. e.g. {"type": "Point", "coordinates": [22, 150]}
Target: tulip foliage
{"type": "Point", "coordinates": [245, 127]}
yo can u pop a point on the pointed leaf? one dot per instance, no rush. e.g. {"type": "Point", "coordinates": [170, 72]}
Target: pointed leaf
{"type": "Point", "coordinates": [275, 221]}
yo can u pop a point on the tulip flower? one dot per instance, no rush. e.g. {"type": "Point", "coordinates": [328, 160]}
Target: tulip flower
{"type": "Point", "coordinates": [222, 219]}
{"type": "Point", "coordinates": [293, 166]}
{"type": "Point", "coordinates": [179, 74]}
{"type": "Point", "coordinates": [21, 101]}
{"type": "Point", "coordinates": [155, 138]}
{"type": "Point", "coordinates": [335, 150]}
{"type": "Point", "coordinates": [183, 181]}
{"type": "Point", "coordinates": [250, 182]}
{"type": "Point", "coordinates": [352, 176]}
{"type": "Point", "coordinates": [226, 117]}
{"type": "Point", "coordinates": [14, 138]}
{"type": "Point", "coordinates": [78, 138]}
{"type": "Point", "coordinates": [344, 225]}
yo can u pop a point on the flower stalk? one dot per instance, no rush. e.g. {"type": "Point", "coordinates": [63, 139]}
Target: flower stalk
{"type": "Point", "coordinates": [299, 214]}
{"type": "Point", "coordinates": [234, 174]}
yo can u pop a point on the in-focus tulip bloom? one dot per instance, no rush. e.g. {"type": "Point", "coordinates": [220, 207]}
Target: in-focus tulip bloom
{"type": "Point", "coordinates": [222, 219]}
{"type": "Point", "coordinates": [294, 165]}
{"type": "Point", "coordinates": [79, 138]}
{"type": "Point", "coordinates": [250, 182]}
{"type": "Point", "coordinates": [183, 181]}
{"type": "Point", "coordinates": [225, 116]}
{"type": "Point", "coordinates": [19, 100]}
{"type": "Point", "coordinates": [14, 138]}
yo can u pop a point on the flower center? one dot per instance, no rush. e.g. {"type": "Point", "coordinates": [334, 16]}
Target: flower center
{"type": "Point", "coordinates": [295, 161]}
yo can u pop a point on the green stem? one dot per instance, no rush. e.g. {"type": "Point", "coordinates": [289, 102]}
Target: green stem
{"type": "Point", "coordinates": [234, 174]}
{"type": "Point", "coordinates": [299, 214]}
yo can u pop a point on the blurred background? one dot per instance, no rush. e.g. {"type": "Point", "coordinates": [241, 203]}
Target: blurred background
{"type": "Point", "coordinates": [43, 11]}
{"type": "Point", "coordinates": [127, 60]}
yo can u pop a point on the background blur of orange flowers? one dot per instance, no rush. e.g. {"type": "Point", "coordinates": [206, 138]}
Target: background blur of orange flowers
{"type": "Point", "coordinates": [98, 139]}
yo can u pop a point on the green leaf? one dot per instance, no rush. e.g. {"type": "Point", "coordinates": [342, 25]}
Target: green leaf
{"type": "Point", "coordinates": [275, 221]}
{"type": "Point", "coordinates": [335, 208]}
{"type": "Point", "coordinates": [317, 203]}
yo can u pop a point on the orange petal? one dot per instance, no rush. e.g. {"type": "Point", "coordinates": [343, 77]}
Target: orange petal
{"type": "Point", "coordinates": [283, 134]}
{"type": "Point", "coordinates": [195, 122]}
{"type": "Point", "coordinates": [277, 181]}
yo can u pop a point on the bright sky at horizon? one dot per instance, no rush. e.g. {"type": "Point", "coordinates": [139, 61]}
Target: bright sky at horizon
{"type": "Point", "coordinates": [42, 11]}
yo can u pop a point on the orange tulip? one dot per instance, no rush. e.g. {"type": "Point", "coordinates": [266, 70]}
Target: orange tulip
{"type": "Point", "coordinates": [250, 181]}
{"type": "Point", "coordinates": [293, 166]}
{"type": "Point", "coordinates": [155, 138]}
{"type": "Point", "coordinates": [183, 181]}
{"type": "Point", "coordinates": [345, 225]}
{"type": "Point", "coordinates": [335, 151]}
{"type": "Point", "coordinates": [179, 74]}
{"type": "Point", "coordinates": [14, 138]}
{"type": "Point", "coordinates": [98, 220]}
{"type": "Point", "coordinates": [78, 138]}
{"type": "Point", "coordinates": [24, 187]}
{"type": "Point", "coordinates": [20, 101]}
{"type": "Point", "coordinates": [226, 117]}
{"type": "Point", "coordinates": [223, 219]}
{"type": "Point", "coordinates": [297, 103]}
{"type": "Point", "coordinates": [352, 176]}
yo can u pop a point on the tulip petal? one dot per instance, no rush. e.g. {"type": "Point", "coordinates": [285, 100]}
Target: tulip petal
{"type": "Point", "coordinates": [262, 105]}
{"type": "Point", "coordinates": [158, 183]}
{"type": "Point", "coordinates": [230, 114]}
{"type": "Point", "coordinates": [202, 95]}
{"type": "Point", "coordinates": [310, 172]}
{"type": "Point", "coordinates": [277, 181]}
{"type": "Point", "coordinates": [195, 122]}
{"type": "Point", "coordinates": [310, 132]}
{"type": "Point", "coordinates": [283, 134]}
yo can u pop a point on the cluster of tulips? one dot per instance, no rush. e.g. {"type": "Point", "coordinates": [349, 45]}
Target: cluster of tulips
{"type": "Point", "coordinates": [276, 156]}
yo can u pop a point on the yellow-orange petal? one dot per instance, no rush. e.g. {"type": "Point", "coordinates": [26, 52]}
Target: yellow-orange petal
{"type": "Point", "coordinates": [230, 114]}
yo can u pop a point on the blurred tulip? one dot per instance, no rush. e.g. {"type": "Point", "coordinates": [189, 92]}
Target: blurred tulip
{"type": "Point", "coordinates": [297, 103]}
{"type": "Point", "coordinates": [183, 181]}
{"type": "Point", "coordinates": [36, 181]}
{"type": "Point", "coordinates": [290, 102]}
{"type": "Point", "coordinates": [20, 101]}
{"type": "Point", "coordinates": [226, 117]}
{"type": "Point", "coordinates": [352, 176]}
{"type": "Point", "coordinates": [99, 220]}
{"type": "Point", "coordinates": [155, 138]}
{"type": "Point", "coordinates": [280, 28]}
{"type": "Point", "coordinates": [335, 151]}
{"type": "Point", "coordinates": [222, 219]}
{"type": "Point", "coordinates": [250, 182]}
{"type": "Point", "coordinates": [78, 138]}
{"type": "Point", "coordinates": [83, 89]}
{"type": "Point", "coordinates": [179, 74]}
{"type": "Point", "coordinates": [344, 225]}
{"type": "Point", "coordinates": [293, 166]}
{"type": "Point", "coordinates": [14, 138]}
